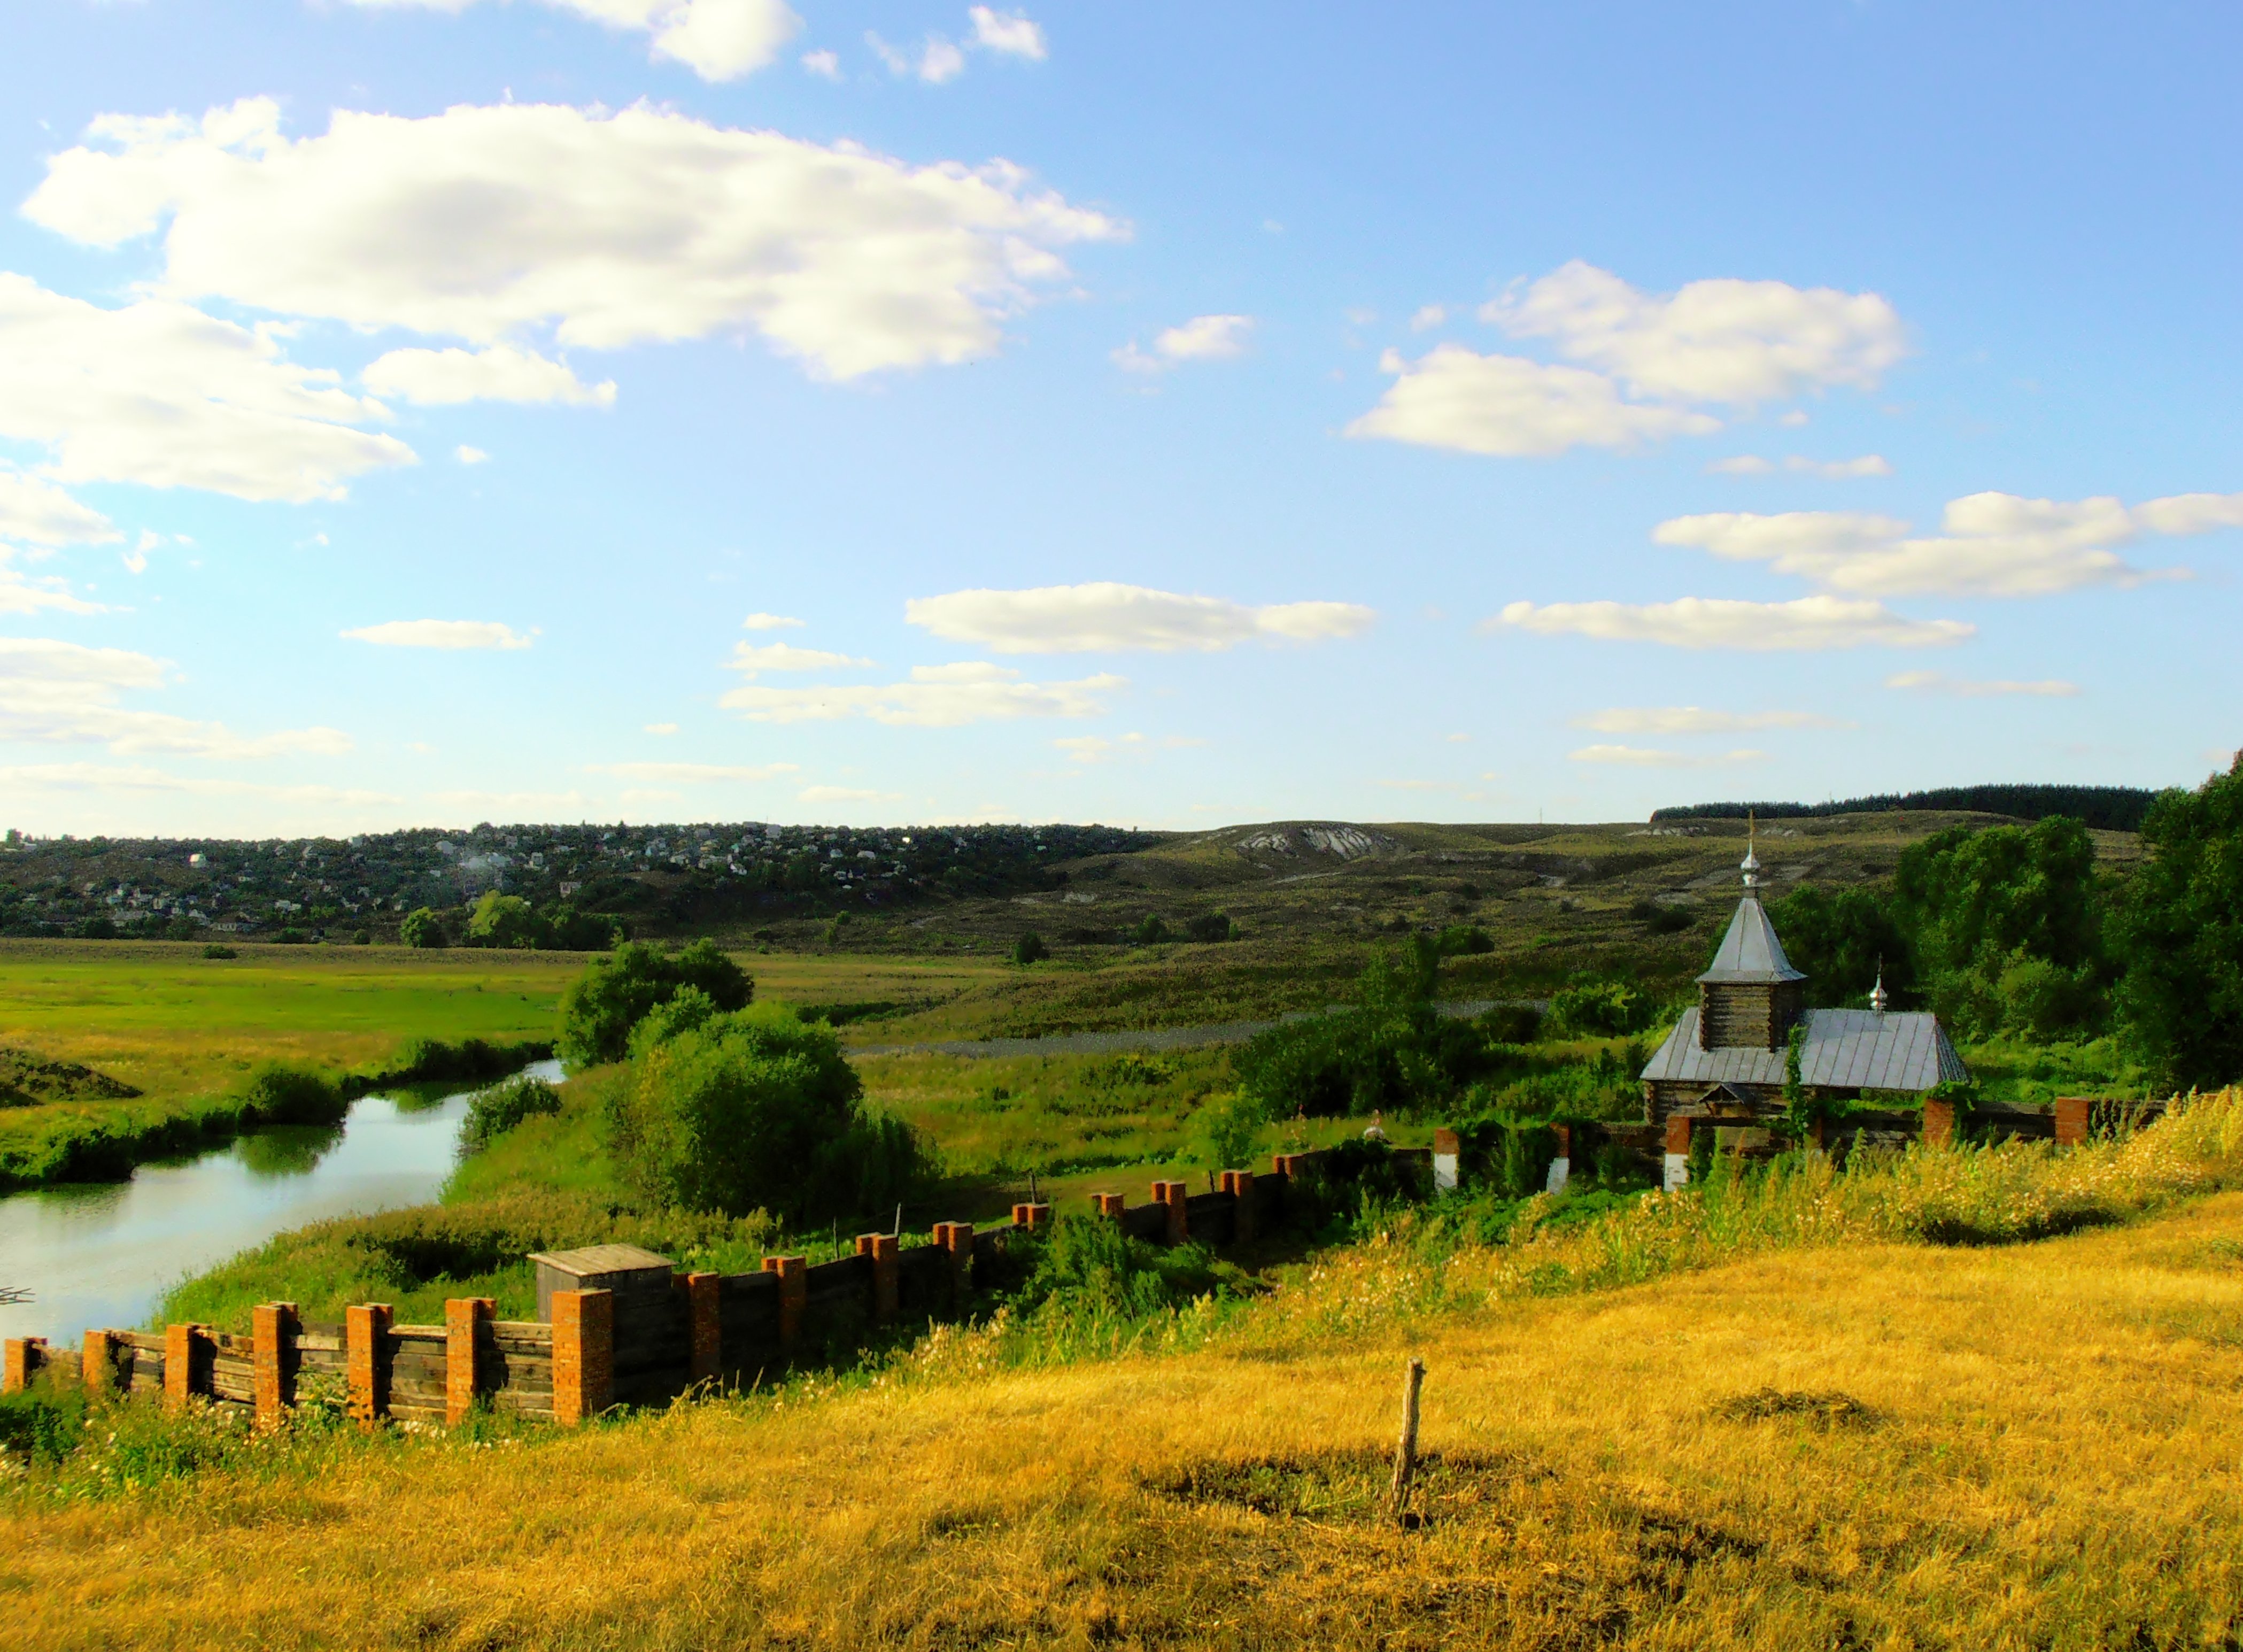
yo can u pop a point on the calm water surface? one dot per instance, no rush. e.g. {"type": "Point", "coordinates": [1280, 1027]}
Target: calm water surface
{"type": "Point", "coordinates": [104, 1253]}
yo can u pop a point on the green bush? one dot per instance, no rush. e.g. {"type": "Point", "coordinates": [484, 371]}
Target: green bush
{"type": "Point", "coordinates": [1593, 1007]}
{"type": "Point", "coordinates": [493, 1112]}
{"type": "Point", "coordinates": [41, 1425]}
{"type": "Point", "coordinates": [1210, 926]}
{"type": "Point", "coordinates": [1151, 930]}
{"type": "Point", "coordinates": [281, 1093]}
{"type": "Point", "coordinates": [423, 927]}
{"type": "Point", "coordinates": [753, 1109]}
{"type": "Point", "coordinates": [600, 1006]}
{"type": "Point", "coordinates": [1460, 940]}
{"type": "Point", "coordinates": [214, 950]}
{"type": "Point", "coordinates": [1226, 1130]}
{"type": "Point", "coordinates": [1030, 949]}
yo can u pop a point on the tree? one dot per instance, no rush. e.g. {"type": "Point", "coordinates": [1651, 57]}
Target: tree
{"type": "Point", "coordinates": [599, 1008]}
{"type": "Point", "coordinates": [507, 922]}
{"type": "Point", "coordinates": [1210, 927]}
{"type": "Point", "coordinates": [753, 1109]}
{"type": "Point", "coordinates": [1151, 930]}
{"type": "Point", "coordinates": [1030, 949]}
{"type": "Point", "coordinates": [2180, 933]}
{"type": "Point", "coordinates": [422, 928]}
{"type": "Point", "coordinates": [1841, 938]}
{"type": "Point", "coordinates": [1979, 904]}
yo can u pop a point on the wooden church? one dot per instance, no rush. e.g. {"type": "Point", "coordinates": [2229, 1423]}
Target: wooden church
{"type": "Point", "coordinates": [1723, 1064]}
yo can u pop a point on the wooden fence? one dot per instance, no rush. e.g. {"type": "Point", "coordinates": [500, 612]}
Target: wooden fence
{"type": "Point", "coordinates": [651, 1335]}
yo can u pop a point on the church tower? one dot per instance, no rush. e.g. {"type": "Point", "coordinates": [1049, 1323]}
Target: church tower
{"type": "Point", "coordinates": [1751, 996]}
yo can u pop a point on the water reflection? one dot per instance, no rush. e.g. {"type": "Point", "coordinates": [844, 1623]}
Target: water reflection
{"type": "Point", "coordinates": [104, 1253]}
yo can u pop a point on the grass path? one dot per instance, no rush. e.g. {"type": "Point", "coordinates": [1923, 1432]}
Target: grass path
{"type": "Point", "coordinates": [2051, 1455]}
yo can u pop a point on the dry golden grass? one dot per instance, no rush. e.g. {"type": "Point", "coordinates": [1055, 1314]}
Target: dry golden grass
{"type": "Point", "coordinates": [2052, 1456]}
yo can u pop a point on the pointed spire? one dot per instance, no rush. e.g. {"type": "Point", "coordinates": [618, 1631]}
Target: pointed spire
{"type": "Point", "coordinates": [1878, 998]}
{"type": "Point", "coordinates": [1750, 865]}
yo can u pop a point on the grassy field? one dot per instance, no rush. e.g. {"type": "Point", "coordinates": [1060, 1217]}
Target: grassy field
{"type": "Point", "coordinates": [1808, 1436]}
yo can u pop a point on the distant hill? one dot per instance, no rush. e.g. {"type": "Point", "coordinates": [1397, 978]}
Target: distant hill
{"type": "Point", "coordinates": [2113, 808]}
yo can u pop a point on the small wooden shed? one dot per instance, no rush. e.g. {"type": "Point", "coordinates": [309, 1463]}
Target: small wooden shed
{"type": "Point", "coordinates": [624, 1269]}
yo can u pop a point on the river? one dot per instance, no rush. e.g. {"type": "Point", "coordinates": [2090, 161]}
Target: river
{"type": "Point", "coordinates": [104, 1253]}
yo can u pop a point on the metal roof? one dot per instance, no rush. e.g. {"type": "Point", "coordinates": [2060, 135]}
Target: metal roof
{"type": "Point", "coordinates": [1844, 1049]}
{"type": "Point", "coordinates": [1750, 952]}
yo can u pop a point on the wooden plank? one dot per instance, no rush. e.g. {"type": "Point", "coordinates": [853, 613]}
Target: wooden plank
{"type": "Point", "coordinates": [419, 1333]}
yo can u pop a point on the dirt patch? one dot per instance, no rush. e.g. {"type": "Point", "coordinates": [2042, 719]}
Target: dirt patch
{"type": "Point", "coordinates": [1818, 1411]}
{"type": "Point", "coordinates": [1349, 1487]}
{"type": "Point", "coordinates": [25, 1081]}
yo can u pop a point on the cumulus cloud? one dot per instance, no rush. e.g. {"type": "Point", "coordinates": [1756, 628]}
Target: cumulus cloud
{"type": "Point", "coordinates": [1751, 464]}
{"type": "Point", "coordinates": [159, 394]}
{"type": "Point", "coordinates": [770, 623]}
{"type": "Point", "coordinates": [1968, 688]}
{"type": "Point", "coordinates": [1644, 758]}
{"type": "Point", "coordinates": [63, 693]}
{"type": "Point", "coordinates": [610, 228]}
{"type": "Point", "coordinates": [503, 373]}
{"type": "Point", "coordinates": [936, 696]}
{"type": "Point", "coordinates": [29, 777]}
{"type": "Point", "coordinates": [22, 594]}
{"type": "Point", "coordinates": [1104, 616]}
{"type": "Point", "coordinates": [1725, 343]}
{"type": "Point", "coordinates": [748, 658]}
{"type": "Point", "coordinates": [1810, 623]}
{"type": "Point", "coordinates": [442, 633]}
{"type": "Point", "coordinates": [717, 39]}
{"type": "Point", "coordinates": [1732, 341]}
{"type": "Point", "coordinates": [938, 59]}
{"type": "Point", "coordinates": [1204, 338]}
{"type": "Point", "coordinates": [1694, 719]}
{"type": "Point", "coordinates": [1993, 545]}
{"type": "Point", "coordinates": [41, 513]}
{"type": "Point", "coordinates": [1010, 33]}
{"type": "Point", "coordinates": [692, 773]}
{"type": "Point", "coordinates": [826, 65]}
{"type": "Point", "coordinates": [1510, 408]}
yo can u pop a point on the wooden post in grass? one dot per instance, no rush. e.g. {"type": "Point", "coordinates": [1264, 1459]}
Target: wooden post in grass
{"type": "Point", "coordinates": [1405, 1453]}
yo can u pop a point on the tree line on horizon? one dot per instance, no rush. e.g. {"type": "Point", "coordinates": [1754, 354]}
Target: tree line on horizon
{"type": "Point", "coordinates": [2104, 808]}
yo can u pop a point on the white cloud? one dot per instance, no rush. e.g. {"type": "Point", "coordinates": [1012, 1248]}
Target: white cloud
{"type": "Point", "coordinates": [1204, 338]}
{"type": "Point", "coordinates": [1995, 544]}
{"type": "Point", "coordinates": [1694, 719]}
{"type": "Point", "coordinates": [662, 728]}
{"type": "Point", "coordinates": [692, 773]}
{"type": "Point", "coordinates": [1511, 407]}
{"type": "Point", "coordinates": [614, 229]}
{"type": "Point", "coordinates": [468, 455]}
{"type": "Point", "coordinates": [1751, 464]}
{"type": "Point", "coordinates": [1639, 757]}
{"type": "Point", "coordinates": [442, 633]}
{"type": "Point", "coordinates": [825, 64]}
{"type": "Point", "coordinates": [1011, 33]}
{"type": "Point", "coordinates": [1724, 340]}
{"type": "Point", "coordinates": [21, 594]}
{"type": "Point", "coordinates": [44, 515]}
{"type": "Point", "coordinates": [770, 623]}
{"type": "Point", "coordinates": [62, 693]}
{"type": "Point", "coordinates": [98, 777]}
{"type": "Point", "coordinates": [1096, 748]}
{"type": "Point", "coordinates": [503, 373]}
{"type": "Point", "coordinates": [938, 59]}
{"type": "Point", "coordinates": [936, 696]}
{"type": "Point", "coordinates": [1940, 682]}
{"type": "Point", "coordinates": [1104, 616]}
{"type": "Point", "coordinates": [1428, 316]}
{"type": "Point", "coordinates": [717, 39]}
{"type": "Point", "coordinates": [1810, 623]}
{"type": "Point", "coordinates": [847, 794]}
{"type": "Point", "coordinates": [748, 658]}
{"type": "Point", "coordinates": [158, 393]}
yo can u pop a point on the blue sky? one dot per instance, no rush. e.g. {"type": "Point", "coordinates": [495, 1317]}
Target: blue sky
{"type": "Point", "coordinates": [660, 409]}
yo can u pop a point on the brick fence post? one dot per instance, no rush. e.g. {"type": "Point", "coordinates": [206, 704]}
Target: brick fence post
{"type": "Point", "coordinates": [185, 1348]}
{"type": "Point", "coordinates": [1240, 1185]}
{"type": "Point", "coordinates": [793, 1295]}
{"type": "Point", "coordinates": [1448, 1150]}
{"type": "Point", "coordinates": [1678, 1154]}
{"type": "Point", "coordinates": [1173, 1194]}
{"type": "Point", "coordinates": [273, 1359]}
{"type": "Point", "coordinates": [704, 1322]}
{"type": "Point", "coordinates": [887, 1253]}
{"type": "Point", "coordinates": [1938, 1124]}
{"type": "Point", "coordinates": [955, 1239]}
{"type": "Point", "coordinates": [97, 1363]}
{"type": "Point", "coordinates": [1111, 1204]}
{"type": "Point", "coordinates": [20, 1362]}
{"type": "Point", "coordinates": [2071, 1117]}
{"type": "Point", "coordinates": [464, 1319]}
{"type": "Point", "coordinates": [1030, 1217]}
{"type": "Point", "coordinates": [366, 1362]}
{"type": "Point", "coordinates": [583, 1354]}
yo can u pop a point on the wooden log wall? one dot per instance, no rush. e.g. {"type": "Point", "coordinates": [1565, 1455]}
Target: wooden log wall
{"type": "Point", "coordinates": [644, 1345]}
